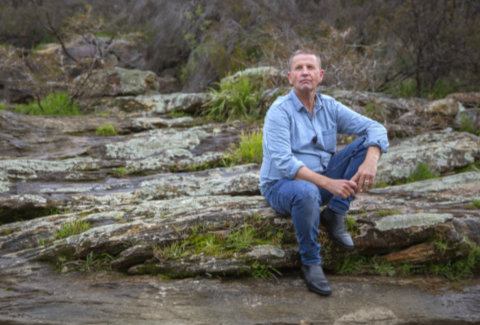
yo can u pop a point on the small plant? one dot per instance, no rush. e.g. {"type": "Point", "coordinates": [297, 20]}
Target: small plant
{"type": "Point", "coordinates": [96, 262]}
{"type": "Point", "coordinates": [3, 107]}
{"type": "Point", "coordinates": [422, 172]}
{"type": "Point", "coordinates": [383, 267]}
{"type": "Point", "coordinates": [238, 98]}
{"type": "Point", "coordinates": [351, 224]}
{"type": "Point", "coordinates": [106, 130]}
{"type": "Point", "coordinates": [263, 271]}
{"type": "Point", "coordinates": [74, 227]}
{"type": "Point", "coordinates": [58, 103]}
{"type": "Point", "coordinates": [249, 150]}
{"type": "Point", "coordinates": [475, 204]}
{"type": "Point", "coordinates": [120, 172]}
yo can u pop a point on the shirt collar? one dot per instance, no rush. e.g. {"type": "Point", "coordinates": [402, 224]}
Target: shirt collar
{"type": "Point", "coordinates": [298, 105]}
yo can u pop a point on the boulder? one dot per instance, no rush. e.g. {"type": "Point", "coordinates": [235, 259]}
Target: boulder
{"type": "Point", "coordinates": [119, 81]}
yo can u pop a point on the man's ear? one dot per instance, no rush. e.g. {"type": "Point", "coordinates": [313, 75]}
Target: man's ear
{"type": "Point", "coordinates": [288, 77]}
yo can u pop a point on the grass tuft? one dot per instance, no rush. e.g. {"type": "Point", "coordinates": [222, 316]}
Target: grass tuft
{"type": "Point", "coordinates": [74, 227]}
{"type": "Point", "coordinates": [106, 130]}
{"type": "Point", "coordinates": [249, 150]}
{"type": "Point", "coordinates": [238, 98]}
{"type": "Point", "coordinates": [58, 103]}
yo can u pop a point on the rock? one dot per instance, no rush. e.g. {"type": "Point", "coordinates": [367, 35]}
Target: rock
{"type": "Point", "coordinates": [271, 76]}
{"type": "Point", "coordinates": [177, 102]}
{"type": "Point", "coordinates": [440, 113]}
{"type": "Point", "coordinates": [118, 81]}
{"type": "Point", "coordinates": [442, 151]}
{"type": "Point", "coordinates": [467, 99]}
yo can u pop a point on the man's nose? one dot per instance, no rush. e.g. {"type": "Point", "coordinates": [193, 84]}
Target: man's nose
{"type": "Point", "coordinates": [304, 70]}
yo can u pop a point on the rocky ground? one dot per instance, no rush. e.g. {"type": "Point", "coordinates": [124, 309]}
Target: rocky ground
{"type": "Point", "coordinates": [154, 210]}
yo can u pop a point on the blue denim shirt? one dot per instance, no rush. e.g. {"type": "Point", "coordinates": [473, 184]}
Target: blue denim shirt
{"type": "Point", "coordinates": [293, 138]}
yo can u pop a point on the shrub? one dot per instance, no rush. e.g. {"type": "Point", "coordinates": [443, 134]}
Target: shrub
{"type": "Point", "coordinates": [249, 150]}
{"type": "Point", "coordinates": [238, 98]}
{"type": "Point", "coordinates": [58, 103]}
{"type": "Point", "coordinates": [106, 130]}
{"type": "Point", "coordinates": [3, 107]}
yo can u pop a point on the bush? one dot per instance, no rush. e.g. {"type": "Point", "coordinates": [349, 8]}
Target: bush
{"type": "Point", "coordinates": [106, 130]}
{"type": "Point", "coordinates": [58, 103]}
{"type": "Point", "coordinates": [3, 107]}
{"type": "Point", "coordinates": [249, 150]}
{"type": "Point", "coordinates": [236, 99]}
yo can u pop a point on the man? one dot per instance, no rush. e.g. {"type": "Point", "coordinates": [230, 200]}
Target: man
{"type": "Point", "coordinates": [301, 170]}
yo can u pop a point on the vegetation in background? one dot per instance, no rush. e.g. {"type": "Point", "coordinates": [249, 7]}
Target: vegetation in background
{"type": "Point", "coordinates": [71, 228]}
{"type": "Point", "coordinates": [467, 125]}
{"type": "Point", "coordinates": [106, 130]}
{"type": "Point", "coordinates": [475, 204]}
{"type": "Point", "coordinates": [422, 171]}
{"type": "Point", "coordinates": [58, 103]}
{"type": "Point", "coordinates": [236, 98]}
{"type": "Point", "coordinates": [3, 107]}
{"type": "Point", "coordinates": [249, 150]}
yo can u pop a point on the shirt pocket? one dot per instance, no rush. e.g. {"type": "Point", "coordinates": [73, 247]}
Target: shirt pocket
{"type": "Point", "coordinates": [329, 140]}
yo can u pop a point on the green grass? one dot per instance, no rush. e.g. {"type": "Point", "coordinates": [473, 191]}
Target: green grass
{"type": "Point", "coordinates": [71, 228]}
{"type": "Point", "coordinates": [58, 103]}
{"type": "Point", "coordinates": [475, 204]}
{"type": "Point", "coordinates": [235, 99]}
{"type": "Point", "coordinates": [202, 240]}
{"type": "Point", "coordinates": [249, 150]}
{"type": "Point", "coordinates": [422, 172]}
{"type": "Point", "coordinates": [119, 172]}
{"type": "Point", "coordinates": [3, 107]}
{"type": "Point", "coordinates": [106, 130]}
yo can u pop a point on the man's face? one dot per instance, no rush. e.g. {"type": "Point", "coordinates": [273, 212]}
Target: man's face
{"type": "Point", "coordinates": [305, 73]}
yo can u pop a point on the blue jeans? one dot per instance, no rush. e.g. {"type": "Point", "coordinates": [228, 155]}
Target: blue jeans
{"type": "Point", "coordinates": [302, 200]}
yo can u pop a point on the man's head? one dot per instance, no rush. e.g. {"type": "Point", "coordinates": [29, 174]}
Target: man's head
{"type": "Point", "coordinates": [305, 71]}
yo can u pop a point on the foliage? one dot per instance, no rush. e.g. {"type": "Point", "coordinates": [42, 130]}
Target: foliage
{"type": "Point", "coordinates": [95, 262]}
{"type": "Point", "coordinates": [238, 98]}
{"type": "Point", "coordinates": [58, 103]}
{"type": "Point", "coordinates": [475, 204]}
{"type": "Point", "coordinates": [421, 172]}
{"type": "Point", "coordinates": [106, 130]}
{"type": "Point", "coordinates": [120, 172]}
{"type": "Point", "coordinates": [3, 107]}
{"type": "Point", "coordinates": [71, 228]}
{"type": "Point", "coordinates": [249, 150]}
{"type": "Point", "coordinates": [263, 271]}
{"type": "Point", "coordinates": [203, 240]}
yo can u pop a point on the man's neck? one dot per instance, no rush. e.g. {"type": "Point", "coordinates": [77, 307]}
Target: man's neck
{"type": "Point", "coordinates": [307, 99]}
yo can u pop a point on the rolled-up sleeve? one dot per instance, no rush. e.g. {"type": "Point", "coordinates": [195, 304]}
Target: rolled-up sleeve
{"type": "Point", "coordinates": [277, 143]}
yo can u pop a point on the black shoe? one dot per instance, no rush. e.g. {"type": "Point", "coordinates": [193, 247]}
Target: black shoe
{"type": "Point", "coordinates": [315, 279]}
{"type": "Point", "coordinates": [335, 224]}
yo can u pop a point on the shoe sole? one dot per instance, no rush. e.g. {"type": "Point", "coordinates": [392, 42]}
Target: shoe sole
{"type": "Point", "coordinates": [348, 248]}
{"type": "Point", "coordinates": [322, 293]}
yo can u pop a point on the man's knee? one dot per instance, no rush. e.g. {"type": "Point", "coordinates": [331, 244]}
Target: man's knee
{"type": "Point", "coordinates": [306, 194]}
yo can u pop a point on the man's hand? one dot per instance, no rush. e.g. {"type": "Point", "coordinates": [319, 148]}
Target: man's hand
{"type": "Point", "coordinates": [365, 176]}
{"type": "Point", "coordinates": [341, 187]}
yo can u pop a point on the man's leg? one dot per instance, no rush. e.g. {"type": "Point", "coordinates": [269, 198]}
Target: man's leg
{"type": "Point", "coordinates": [343, 165]}
{"type": "Point", "coordinates": [301, 200]}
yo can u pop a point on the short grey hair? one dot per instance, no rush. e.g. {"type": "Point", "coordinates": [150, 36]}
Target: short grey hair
{"type": "Point", "coordinates": [304, 51]}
